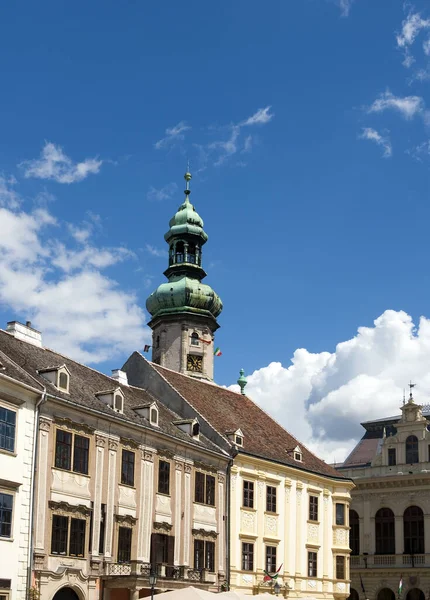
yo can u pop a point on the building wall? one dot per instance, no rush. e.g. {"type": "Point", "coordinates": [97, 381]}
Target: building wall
{"type": "Point", "coordinates": [139, 507]}
{"type": "Point", "coordinates": [289, 529]}
{"type": "Point", "coordinates": [16, 481]}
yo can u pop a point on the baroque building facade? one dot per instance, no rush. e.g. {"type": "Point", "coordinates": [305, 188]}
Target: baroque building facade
{"type": "Point", "coordinates": [288, 510]}
{"type": "Point", "coordinates": [390, 508]}
{"type": "Point", "coordinates": [124, 486]}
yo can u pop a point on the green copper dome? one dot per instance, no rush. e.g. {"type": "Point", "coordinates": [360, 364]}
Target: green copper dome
{"type": "Point", "coordinates": [184, 294]}
{"type": "Point", "coordinates": [186, 221]}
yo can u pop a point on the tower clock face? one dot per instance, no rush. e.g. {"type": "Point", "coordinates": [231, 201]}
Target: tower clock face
{"type": "Point", "coordinates": [194, 363]}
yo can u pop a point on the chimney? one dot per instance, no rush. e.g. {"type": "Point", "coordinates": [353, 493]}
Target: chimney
{"type": "Point", "coordinates": [25, 332]}
{"type": "Point", "coordinates": [119, 376]}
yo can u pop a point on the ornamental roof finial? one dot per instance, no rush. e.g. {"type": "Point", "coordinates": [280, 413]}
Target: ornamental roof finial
{"type": "Point", "coordinates": [188, 178]}
{"type": "Point", "coordinates": [242, 381]}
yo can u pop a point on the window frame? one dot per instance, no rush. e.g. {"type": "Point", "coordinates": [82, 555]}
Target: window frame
{"type": "Point", "coordinates": [271, 559]}
{"type": "Point", "coordinates": [67, 541]}
{"type": "Point", "coordinates": [340, 519]}
{"type": "Point", "coordinates": [71, 458]}
{"type": "Point", "coordinates": [391, 454]}
{"type": "Point", "coordinates": [340, 567]}
{"type": "Point", "coordinates": [312, 563]}
{"type": "Point", "coordinates": [128, 462]}
{"type": "Point", "coordinates": [354, 532]}
{"type": "Point", "coordinates": [124, 553]}
{"type": "Point", "coordinates": [313, 508]}
{"type": "Point", "coordinates": [15, 426]}
{"type": "Point", "coordinates": [385, 531]}
{"type": "Point", "coordinates": [412, 451]}
{"type": "Point", "coordinates": [56, 530]}
{"type": "Point", "coordinates": [271, 498]}
{"type": "Point", "coordinates": [73, 535]}
{"type": "Point", "coordinates": [204, 487]}
{"type": "Point", "coordinates": [163, 477]}
{"type": "Point", "coordinates": [7, 492]}
{"type": "Point", "coordinates": [248, 495]}
{"type": "Point", "coordinates": [247, 556]}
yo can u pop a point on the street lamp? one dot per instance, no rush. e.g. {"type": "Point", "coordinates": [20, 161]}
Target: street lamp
{"type": "Point", "coordinates": [277, 588]}
{"type": "Point", "coordinates": [152, 582]}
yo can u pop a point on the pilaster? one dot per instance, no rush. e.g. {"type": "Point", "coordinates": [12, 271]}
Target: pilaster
{"type": "Point", "coordinates": [187, 514]}
{"type": "Point", "coordinates": [220, 523]}
{"type": "Point", "coordinates": [179, 467]}
{"type": "Point", "coordinates": [299, 528]}
{"type": "Point", "coordinates": [398, 532]}
{"type": "Point", "coordinates": [113, 447]}
{"type": "Point", "coordinates": [98, 487]}
{"type": "Point", "coordinates": [42, 483]}
{"type": "Point", "coordinates": [146, 505]}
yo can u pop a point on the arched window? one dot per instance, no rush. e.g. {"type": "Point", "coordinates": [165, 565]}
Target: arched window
{"type": "Point", "coordinates": [413, 530]}
{"type": "Point", "coordinates": [386, 594]}
{"type": "Point", "coordinates": [179, 256]}
{"type": "Point", "coordinates": [194, 339]}
{"type": "Point", "coordinates": [63, 381]}
{"type": "Point", "coordinates": [384, 531]}
{"type": "Point", "coordinates": [354, 533]}
{"type": "Point", "coordinates": [411, 450]}
{"type": "Point", "coordinates": [191, 255]}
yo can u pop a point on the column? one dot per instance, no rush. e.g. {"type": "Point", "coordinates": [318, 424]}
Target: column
{"type": "Point", "coordinates": [299, 528]}
{"type": "Point", "coordinates": [113, 447]}
{"type": "Point", "coordinates": [327, 536]}
{"type": "Point", "coordinates": [184, 346]}
{"type": "Point", "coordinates": [43, 485]}
{"type": "Point", "coordinates": [187, 515]}
{"type": "Point", "coordinates": [178, 512]}
{"type": "Point", "coordinates": [221, 523]}
{"type": "Point", "coordinates": [289, 567]}
{"type": "Point", "coordinates": [398, 532]}
{"type": "Point", "coordinates": [427, 534]}
{"type": "Point", "coordinates": [100, 450]}
{"type": "Point", "coordinates": [146, 505]}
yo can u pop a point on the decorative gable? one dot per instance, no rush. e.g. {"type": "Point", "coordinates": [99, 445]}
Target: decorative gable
{"type": "Point", "coordinates": [113, 398]}
{"type": "Point", "coordinates": [149, 412]}
{"type": "Point", "coordinates": [189, 426]}
{"type": "Point", "coordinates": [58, 376]}
{"type": "Point", "coordinates": [236, 437]}
{"type": "Point", "coordinates": [298, 454]}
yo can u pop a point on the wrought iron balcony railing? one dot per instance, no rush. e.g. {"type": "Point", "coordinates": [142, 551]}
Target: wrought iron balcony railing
{"type": "Point", "coordinates": [163, 571]}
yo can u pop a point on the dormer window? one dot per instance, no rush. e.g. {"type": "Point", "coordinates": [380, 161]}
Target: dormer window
{"type": "Point", "coordinates": [113, 398]}
{"type": "Point", "coordinates": [149, 412]}
{"type": "Point", "coordinates": [195, 432]}
{"type": "Point", "coordinates": [189, 426]}
{"type": "Point", "coordinates": [58, 376]}
{"type": "Point", "coordinates": [236, 437]}
{"type": "Point", "coordinates": [153, 416]}
{"type": "Point", "coordinates": [297, 453]}
{"type": "Point", "coordinates": [195, 339]}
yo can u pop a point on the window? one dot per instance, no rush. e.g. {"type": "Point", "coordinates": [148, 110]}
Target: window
{"type": "Point", "coordinates": [162, 549]}
{"type": "Point", "coordinates": [6, 505]}
{"type": "Point", "coordinates": [63, 381]}
{"type": "Point", "coordinates": [238, 440]}
{"type": "Point", "coordinates": [340, 514]}
{"type": "Point", "coordinates": [384, 531]}
{"type": "Point", "coordinates": [67, 444]}
{"type": "Point", "coordinates": [117, 403]}
{"type": "Point", "coordinates": [247, 557]}
{"type": "Point", "coordinates": [102, 529]}
{"type": "Point", "coordinates": [312, 564]}
{"type": "Point", "coordinates": [205, 489]}
{"type": "Point", "coordinates": [80, 455]}
{"type": "Point", "coordinates": [77, 537]}
{"type": "Point", "coordinates": [270, 559]}
{"type": "Point", "coordinates": [391, 457]}
{"type": "Point", "coordinates": [124, 544]}
{"type": "Point", "coordinates": [60, 527]}
{"type": "Point", "coordinates": [153, 416]}
{"type": "Point", "coordinates": [127, 468]}
{"type": "Point", "coordinates": [163, 477]}
{"type": "Point", "coordinates": [354, 532]}
{"type": "Point", "coordinates": [413, 530]}
{"type": "Point", "coordinates": [194, 339]}
{"type": "Point", "coordinates": [313, 508]}
{"type": "Point", "coordinates": [411, 450]}
{"type": "Point", "coordinates": [271, 499]}
{"type": "Point", "coordinates": [340, 567]}
{"type": "Point", "coordinates": [248, 494]}
{"type": "Point", "coordinates": [195, 431]}
{"type": "Point", "coordinates": [204, 555]}
{"type": "Point", "coordinates": [157, 342]}
{"type": "Point", "coordinates": [7, 429]}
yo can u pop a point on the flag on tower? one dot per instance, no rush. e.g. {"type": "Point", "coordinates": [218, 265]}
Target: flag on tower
{"type": "Point", "coordinates": [146, 348]}
{"type": "Point", "coordinates": [217, 352]}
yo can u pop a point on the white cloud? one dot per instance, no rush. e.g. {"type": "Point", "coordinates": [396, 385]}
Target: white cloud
{"type": "Point", "coordinates": [57, 166]}
{"type": "Point", "coordinates": [158, 252]}
{"type": "Point", "coordinates": [227, 148]}
{"type": "Point", "coordinates": [80, 310]}
{"type": "Point", "coordinates": [381, 140]}
{"type": "Point", "coordinates": [345, 7]}
{"type": "Point", "coordinates": [409, 106]}
{"type": "Point", "coordinates": [322, 398]}
{"type": "Point", "coordinates": [411, 27]}
{"type": "Point", "coordinates": [261, 117]}
{"type": "Point", "coordinates": [173, 134]}
{"type": "Point", "coordinates": [163, 193]}
{"type": "Point", "coordinates": [247, 145]}
{"type": "Point", "coordinates": [8, 196]}
{"type": "Point", "coordinates": [426, 47]}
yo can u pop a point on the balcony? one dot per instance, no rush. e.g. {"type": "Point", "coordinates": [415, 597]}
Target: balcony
{"type": "Point", "coordinates": [164, 572]}
{"type": "Point", "coordinates": [387, 561]}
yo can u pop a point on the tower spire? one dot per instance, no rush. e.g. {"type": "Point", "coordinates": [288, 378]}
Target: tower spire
{"type": "Point", "coordinates": [188, 178]}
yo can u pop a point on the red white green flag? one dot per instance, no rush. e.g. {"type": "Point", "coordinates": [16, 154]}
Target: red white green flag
{"type": "Point", "coordinates": [217, 352]}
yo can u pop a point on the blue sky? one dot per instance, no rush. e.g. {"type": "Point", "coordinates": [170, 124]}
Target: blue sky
{"type": "Point", "coordinates": [307, 129]}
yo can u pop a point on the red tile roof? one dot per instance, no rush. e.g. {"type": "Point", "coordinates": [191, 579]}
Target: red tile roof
{"type": "Point", "coordinates": [227, 411]}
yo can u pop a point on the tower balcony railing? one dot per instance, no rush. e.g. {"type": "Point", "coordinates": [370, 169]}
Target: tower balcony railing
{"type": "Point", "coordinates": [387, 561]}
{"type": "Point", "coordinates": [180, 259]}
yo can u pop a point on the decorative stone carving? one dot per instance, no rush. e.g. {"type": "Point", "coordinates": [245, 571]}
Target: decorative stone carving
{"type": "Point", "coordinates": [247, 578]}
{"type": "Point", "coordinates": [312, 584]}
{"type": "Point", "coordinates": [233, 481]}
{"type": "Point", "coordinates": [205, 467]}
{"type": "Point", "coordinates": [164, 526]}
{"type": "Point", "coordinates": [65, 507]}
{"type": "Point", "coordinates": [126, 520]}
{"type": "Point", "coordinates": [113, 445]}
{"type": "Point", "coordinates": [100, 441]}
{"type": "Point", "coordinates": [148, 456]}
{"type": "Point", "coordinates": [179, 466]}
{"type": "Point", "coordinates": [221, 478]}
{"type": "Point", "coordinates": [44, 424]}
{"type": "Point", "coordinates": [129, 443]}
{"type": "Point", "coordinates": [340, 586]}
{"type": "Point", "coordinates": [313, 531]}
{"type": "Point", "coordinates": [261, 486]}
{"type": "Point", "coordinates": [204, 533]}
{"type": "Point", "coordinates": [340, 537]}
{"type": "Point", "coordinates": [248, 520]}
{"type": "Point", "coordinates": [69, 424]}
{"type": "Point", "coordinates": [188, 468]}
{"type": "Point", "coordinates": [165, 453]}
{"type": "Point", "coordinates": [271, 525]}
{"type": "Point", "coordinates": [299, 494]}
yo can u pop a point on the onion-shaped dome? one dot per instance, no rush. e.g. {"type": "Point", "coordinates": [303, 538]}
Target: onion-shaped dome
{"type": "Point", "coordinates": [186, 220]}
{"type": "Point", "coordinates": [184, 294]}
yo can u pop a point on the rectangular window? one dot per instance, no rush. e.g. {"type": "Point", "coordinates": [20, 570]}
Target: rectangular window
{"type": "Point", "coordinates": [102, 529]}
{"type": "Point", "coordinates": [247, 557]}
{"type": "Point", "coordinates": [340, 567]}
{"type": "Point", "coordinates": [6, 506]}
{"type": "Point", "coordinates": [77, 537]}
{"type": "Point", "coordinates": [340, 514]}
{"type": "Point", "coordinates": [63, 450]}
{"type": "Point", "coordinates": [205, 489]}
{"type": "Point", "coordinates": [164, 477]}
{"type": "Point", "coordinates": [312, 564]}
{"type": "Point", "coordinates": [60, 527]}
{"type": "Point", "coordinates": [127, 468]}
{"type": "Point", "coordinates": [271, 499]}
{"type": "Point", "coordinates": [199, 554]}
{"type": "Point", "coordinates": [80, 455]}
{"type": "Point", "coordinates": [210, 556]}
{"type": "Point", "coordinates": [7, 429]}
{"type": "Point", "coordinates": [124, 544]}
{"type": "Point", "coordinates": [313, 508]}
{"type": "Point", "coordinates": [391, 457]}
{"type": "Point", "coordinates": [248, 494]}
{"type": "Point", "coordinates": [271, 559]}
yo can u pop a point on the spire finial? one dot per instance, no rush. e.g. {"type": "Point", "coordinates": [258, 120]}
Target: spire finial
{"type": "Point", "coordinates": [188, 178]}
{"type": "Point", "coordinates": [242, 381]}
{"type": "Point", "coordinates": [411, 386]}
